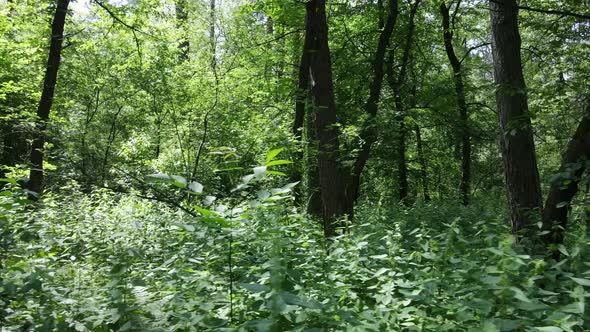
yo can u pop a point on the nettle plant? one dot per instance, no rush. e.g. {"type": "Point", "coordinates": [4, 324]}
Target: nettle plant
{"type": "Point", "coordinates": [249, 193]}
{"type": "Point", "coordinates": [249, 200]}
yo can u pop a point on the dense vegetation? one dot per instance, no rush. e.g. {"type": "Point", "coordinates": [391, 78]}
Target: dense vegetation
{"type": "Point", "coordinates": [283, 165]}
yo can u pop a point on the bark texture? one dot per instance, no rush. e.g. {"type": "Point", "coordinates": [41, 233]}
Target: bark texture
{"type": "Point", "coordinates": [57, 35]}
{"type": "Point", "coordinates": [322, 92]}
{"type": "Point", "coordinates": [516, 138]}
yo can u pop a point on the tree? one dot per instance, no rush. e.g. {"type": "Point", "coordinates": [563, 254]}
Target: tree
{"type": "Point", "coordinates": [397, 85]}
{"type": "Point", "coordinates": [326, 123]}
{"type": "Point", "coordinates": [565, 185]}
{"type": "Point", "coordinates": [369, 133]}
{"type": "Point", "coordinates": [181, 23]}
{"type": "Point", "coordinates": [301, 97]}
{"type": "Point", "coordinates": [516, 136]}
{"type": "Point", "coordinates": [465, 184]}
{"type": "Point", "coordinates": [53, 61]}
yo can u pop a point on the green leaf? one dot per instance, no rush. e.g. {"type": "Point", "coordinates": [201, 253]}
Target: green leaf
{"type": "Point", "coordinates": [581, 281]}
{"type": "Point", "coordinates": [175, 180]}
{"type": "Point", "coordinates": [205, 212]}
{"type": "Point", "coordinates": [179, 181]}
{"type": "Point", "coordinates": [278, 162]}
{"type": "Point", "coordinates": [272, 153]}
{"type": "Point", "coordinates": [296, 300]}
{"type": "Point", "coordinates": [164, 178]}
{"type": "Point", "coordinates": [255, 288]}
{"type": "Point", "coordinates": [276, 173]}
{"type": "Point", "coordinates": [8, 180]}
{"type": "Point", "coordinates": [519, 294]}
{"type": "Point", "coordinates": [561, 204]}
{"type": "Point", "coordinates": [549, 329]}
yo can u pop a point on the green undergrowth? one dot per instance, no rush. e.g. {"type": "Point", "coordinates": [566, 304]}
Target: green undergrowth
{"type": "Point", "coordinates": [104, 262]}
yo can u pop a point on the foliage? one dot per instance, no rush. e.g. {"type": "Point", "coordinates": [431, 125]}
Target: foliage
{"type": "Point", "coordinates": [170, 206]}
{"type": "Point", "coordinates": [113, 262]}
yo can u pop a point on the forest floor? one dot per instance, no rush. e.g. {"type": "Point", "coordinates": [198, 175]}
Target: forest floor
{"type": "Point", "coordinates": [118, 263]}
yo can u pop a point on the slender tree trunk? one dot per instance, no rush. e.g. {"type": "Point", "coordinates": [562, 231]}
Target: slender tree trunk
{"type": "Point", "coordinates": [181, 24]}
{"type": "Point", "coordinates": [322, 91]}
{"type": "Point", "coordinates": [402, 164]}
{"type": "Point", "coordinates": [422, 161]}
{"type": "Point", "coordinates": [564, 188]}
{"type": "Point", "coordinates": [369, 133]}
{"type": "Point", "coordinates": [516, 138]}
{"type": "Point", "coordinates": [301, 97]}
{"type": "Point", "coordinates": [112, 136]}
{"type": "Point", "coordinates": [465, 185]}
{"type": "Point", "coordinates": [57, 35]}
{"type": "Point", "coordinates": [397, 86]}
{"type": "Point", "coordinates": [212, 38]}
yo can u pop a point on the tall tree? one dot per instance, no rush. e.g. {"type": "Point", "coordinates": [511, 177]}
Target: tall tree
{"type": "Point", "coordinates": [369, 133]}
{"type": "Point", "coordinates": [397, 85]}
{"type": "Point", "coordinates": [565, 186]}
{"type": "Point", "coordinates": [322, 92]}
{"type": "Point", "coordinates": [57, 36]}
{"type": "Point", "coordinates": [306, 164]}
{"type": "Point", "coordinates": [465, 185]}
{"type": "Point", "coordinates": [300, 103]}
{"type": "Point", "coordinates": [516, 137]}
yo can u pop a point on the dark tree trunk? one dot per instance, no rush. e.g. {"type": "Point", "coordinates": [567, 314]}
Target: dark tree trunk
{"type": "Point", "coordinates": [301, 97]}
{"type": "Point", "coordinates": [212, 38]}
{"type": "Point", "coordinates": [465, 185]}
{"type": "Point", "coordinates": [422, 161]}
{"type": "Point", "coordinates": [181, 24]}
{"type": "Point", "coordinates": [516, 138]}
{"type": "Point", "coordinates": [111, 141]}
{"type": "Point", "coordinates": [369, 133]}
{"type": "Point", "coordinates": [565, 187]}
{"type": "Point", "coordinates": [57, 31]}
{"type": "Point", "coordinates": [397, 86]}
{"type": "Point", "coordinates": [322, 92]}
{"type": "Point", "coordinates": [402, 164]}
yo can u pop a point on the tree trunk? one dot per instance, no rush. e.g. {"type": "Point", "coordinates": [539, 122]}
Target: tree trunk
{"type": "Point", "coordinates": [181, 24]}
{"type": "Point", "coordinates": [564, 188]}
{"type": "Point", "coordinates": [322, 91]}
{"type": "Point", "coordinates": [397, 86]}
{"type": "Point", "coordinates": [212, 38]}
{"type": "Point", "coordinates": [369, 133]}
{"type": "Point", "coordinates": [516, 138]}
{"type": "Point", "coordinates": [301, 97]}
{"type": "Point", "coordinates": [422, 161]}
{"type": "Point", "coordinates": [57, 31]}
{"type": "Point", "coordinates": [465, 185]}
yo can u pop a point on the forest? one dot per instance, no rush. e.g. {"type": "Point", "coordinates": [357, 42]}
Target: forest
{"type": "Point", "coordinates": [295, 165]}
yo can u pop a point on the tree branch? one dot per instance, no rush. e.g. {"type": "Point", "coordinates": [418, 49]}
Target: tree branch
{"type": "Point", "coordinates": [556, 12]}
